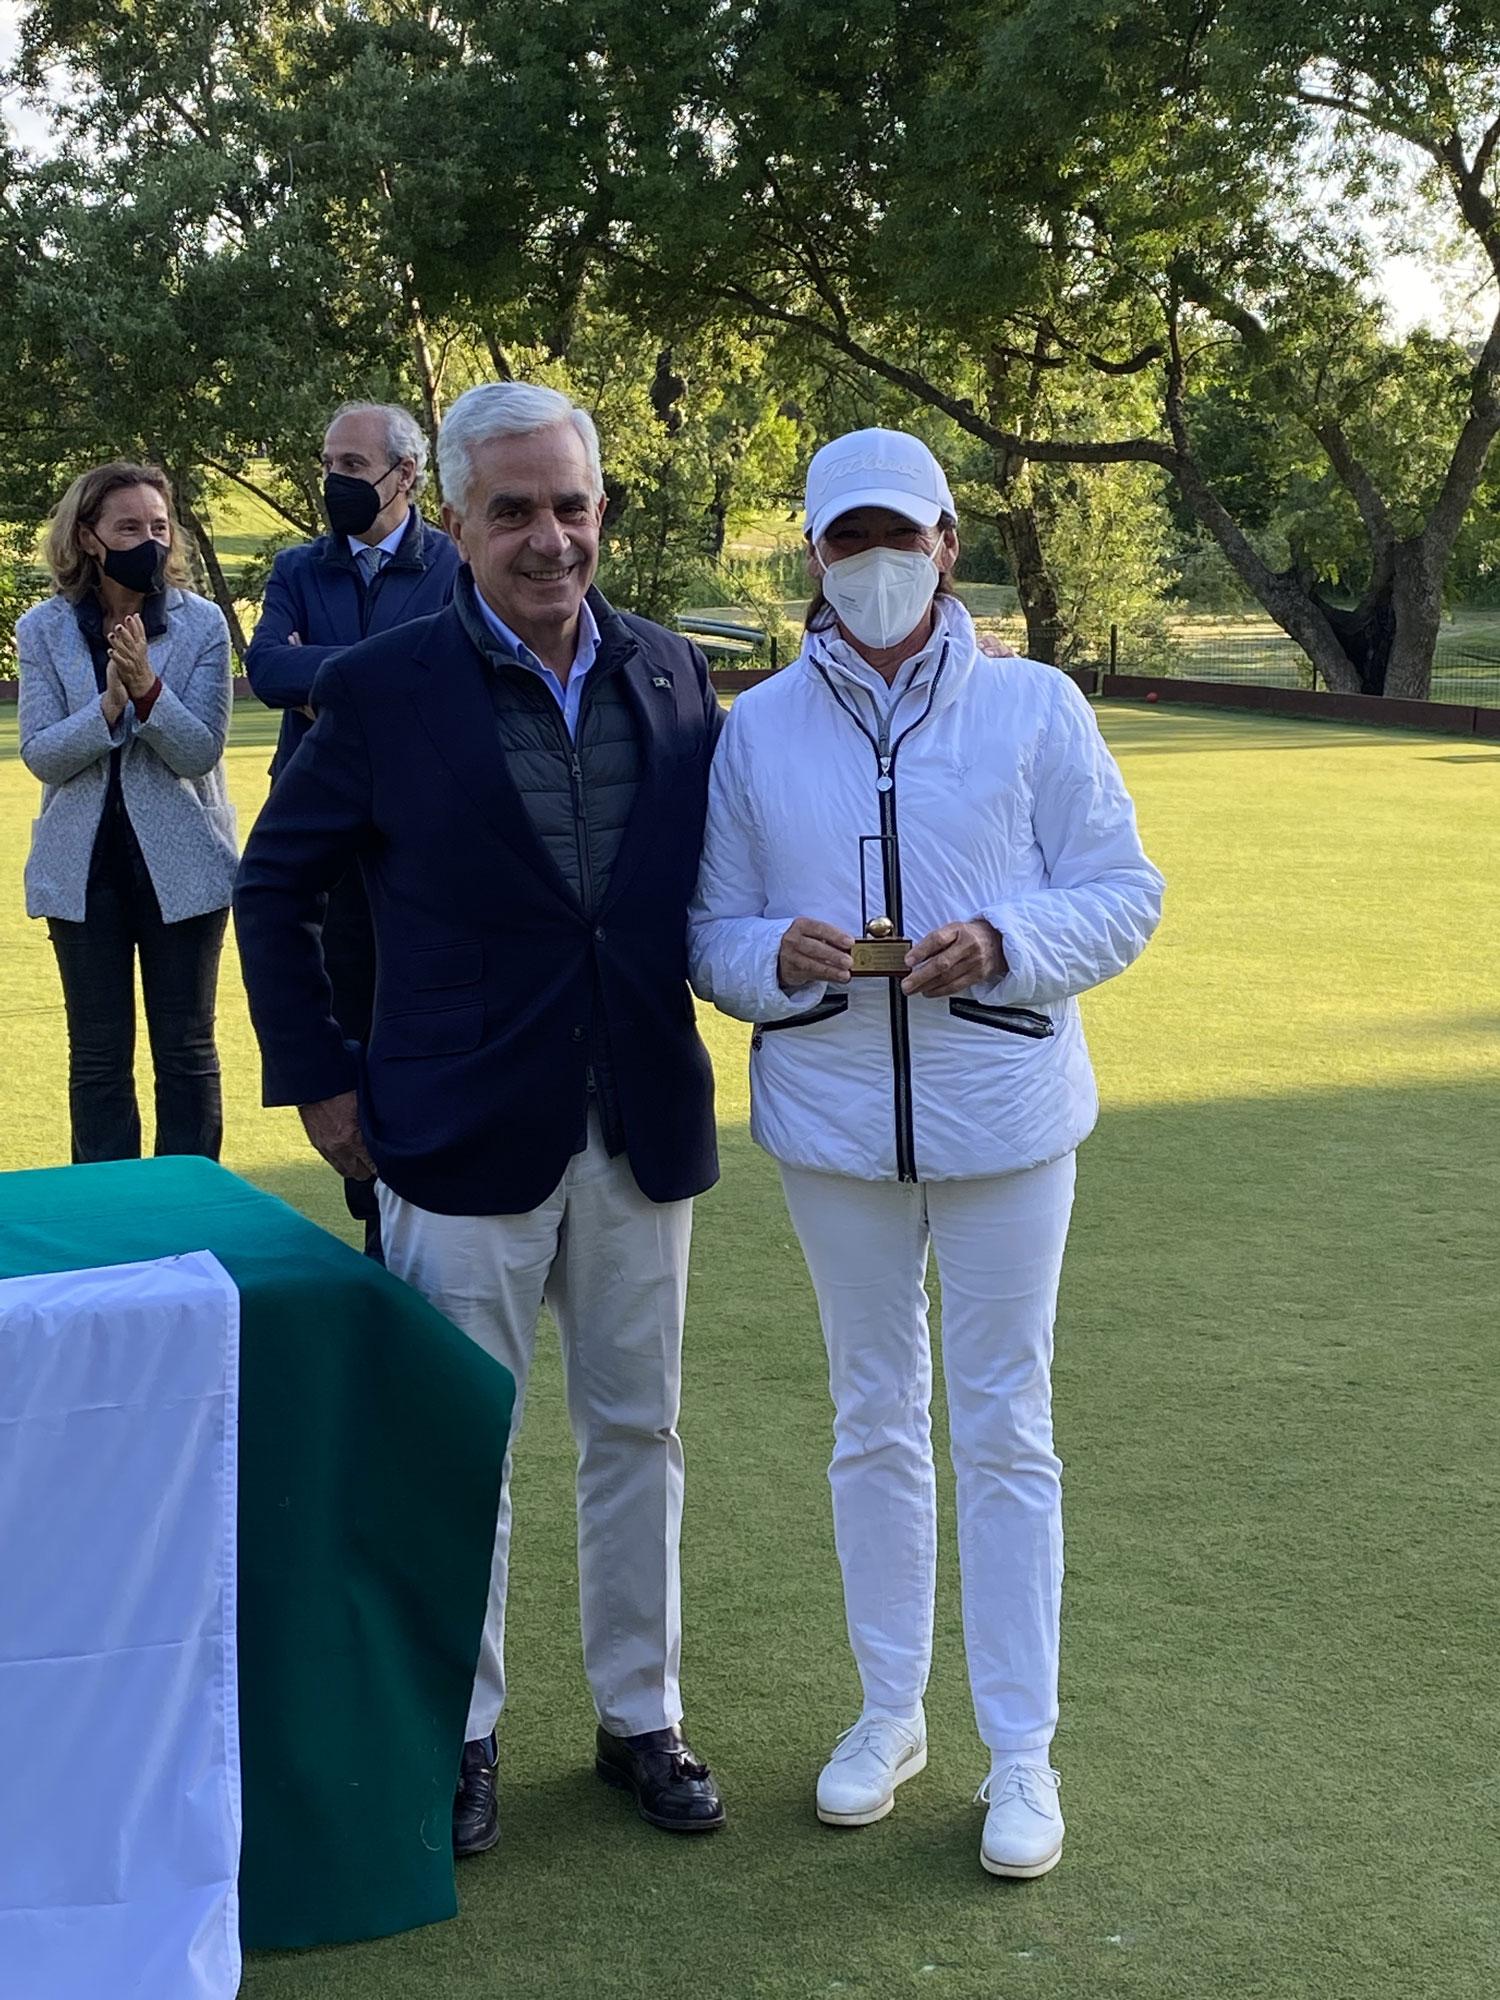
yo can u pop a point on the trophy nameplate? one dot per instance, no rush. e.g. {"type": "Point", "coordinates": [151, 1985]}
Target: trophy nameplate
{"type": "Point", "coordinates": [880, 953]}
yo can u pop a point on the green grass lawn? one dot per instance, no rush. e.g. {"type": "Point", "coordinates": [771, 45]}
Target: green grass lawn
{"type": "Point", "coordinates": [1275, 1383]}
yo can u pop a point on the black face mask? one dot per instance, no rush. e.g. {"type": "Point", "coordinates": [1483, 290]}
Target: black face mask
{"type": "Point", "coordinates": [352, 504]}
{"type": "Point", "coordinates": [141, 568]}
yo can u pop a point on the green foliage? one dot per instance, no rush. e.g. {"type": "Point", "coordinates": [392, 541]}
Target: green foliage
{"type": "Point", "coordinates": [22, 584]}
{"type": "Point", "coordinates": [1130, 240]}
{"type": "Point", "coordinates": [1110, 548]}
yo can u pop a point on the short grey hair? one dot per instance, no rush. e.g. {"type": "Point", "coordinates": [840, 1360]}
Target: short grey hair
{"type": "Point", "coordinates": [507, 409]}
{"type": "Point", "coordinates": [404, 436]}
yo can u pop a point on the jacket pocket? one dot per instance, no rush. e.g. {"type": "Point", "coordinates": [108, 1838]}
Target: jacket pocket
{"type": "Point", "coordinates": [428, 968]}
{"type": "Point", "coordinates": [829, 1006]}
{"type": "Point", "coordinates": [434, 1031]}
{"type": "Point", "coordinates": [1009, 1020]}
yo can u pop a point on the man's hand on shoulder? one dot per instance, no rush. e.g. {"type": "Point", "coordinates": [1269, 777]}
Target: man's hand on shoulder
{"type": "Point", "coordinates": [333, 1127]}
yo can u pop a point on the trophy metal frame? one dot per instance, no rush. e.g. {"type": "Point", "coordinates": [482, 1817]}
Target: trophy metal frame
{"type": "Point", "coordinates": [879, 953]}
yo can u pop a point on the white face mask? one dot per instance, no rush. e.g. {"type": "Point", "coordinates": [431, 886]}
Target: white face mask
{"type": "Point", "coordinates": [881, 594]}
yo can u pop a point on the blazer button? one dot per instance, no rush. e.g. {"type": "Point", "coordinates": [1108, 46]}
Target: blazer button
{"type": "Point", "coordinates": [578, 1034]}
{"type": "Point", "coordinates": [599, 934]}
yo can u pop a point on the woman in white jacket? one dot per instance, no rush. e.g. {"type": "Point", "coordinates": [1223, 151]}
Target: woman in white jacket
{"type": "Point", "coordinates": [895, 776]}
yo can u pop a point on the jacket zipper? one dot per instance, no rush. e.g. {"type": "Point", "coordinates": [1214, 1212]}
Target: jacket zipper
{"type": "Point", "coordinates": [581, 832]}
{"type": "Point", "coordinates": [580, 801]}
{"type": "Point", "coordinates": [890, 855]}
{"type": "Point", "coordinates": [885, 792]}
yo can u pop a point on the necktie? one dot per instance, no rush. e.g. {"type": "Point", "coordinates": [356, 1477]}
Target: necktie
{"type": "Point", "coordinates": [371, 562]}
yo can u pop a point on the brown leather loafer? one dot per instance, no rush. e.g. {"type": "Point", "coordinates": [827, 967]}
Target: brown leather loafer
{"type": "Point", "coordinates": [670, 1787]}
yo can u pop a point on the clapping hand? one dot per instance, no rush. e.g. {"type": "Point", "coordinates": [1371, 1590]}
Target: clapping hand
{"type": "Point", "coordinates": [128, 658]}
{"type": "Point", "coordinates": [954, 957]}
{"type": "Point", "coordinates": [113, 700]}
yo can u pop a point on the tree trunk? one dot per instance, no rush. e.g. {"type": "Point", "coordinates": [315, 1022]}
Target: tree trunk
{"type": "Point", "coordinates": [1417, 597]}
{"type": "Point", "coordinates": [1022, 543]}
{"type": "Point", "coordinates": [1365, 635]}
{"type": "Point", "coordinates": [718, 515]}
{"type": "Point", "coordinates": [432, 408]}
{"type": "Point", "coordinates": [209, 566]}
{"type": "Point", "coordinates": [311, 490]}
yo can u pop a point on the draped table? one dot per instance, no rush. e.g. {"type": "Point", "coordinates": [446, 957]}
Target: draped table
{"type": "Point", "coordinates": [372, 1435]}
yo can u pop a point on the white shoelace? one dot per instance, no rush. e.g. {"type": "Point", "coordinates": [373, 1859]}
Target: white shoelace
{"type": "Point", "coordinates": [856, 1739]}
{"type": "Point", "coordinates": [1022, 1781]}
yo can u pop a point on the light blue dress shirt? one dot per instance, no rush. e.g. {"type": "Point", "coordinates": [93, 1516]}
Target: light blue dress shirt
{"type": "Point", "coordinates": [567, 698]}
{"type": "Point", "coordinates": [389, 544]}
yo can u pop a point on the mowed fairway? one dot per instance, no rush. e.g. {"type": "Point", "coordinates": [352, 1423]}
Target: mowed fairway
{"type": "Point", "coordinates": [1275, 1380]}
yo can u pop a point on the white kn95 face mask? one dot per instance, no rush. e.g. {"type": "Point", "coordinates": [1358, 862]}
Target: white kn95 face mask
{"type": "Point", "coordinates": [881, 594]}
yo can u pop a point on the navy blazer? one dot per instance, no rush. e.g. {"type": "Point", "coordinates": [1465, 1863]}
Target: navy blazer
{"type": "Point", "coordinates": [315, 591]}
{"type": "Point", "coordinates": [473, 1087]}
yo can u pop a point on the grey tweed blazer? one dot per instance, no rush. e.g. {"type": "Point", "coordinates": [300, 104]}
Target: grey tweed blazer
{"type": "Point", "coordinates": [172, 770]}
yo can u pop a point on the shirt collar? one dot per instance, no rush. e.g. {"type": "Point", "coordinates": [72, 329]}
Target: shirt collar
{"type": "Point", "coordinates": [390, 544]}
{"type": "Point", "coordinates": [90, 615]}
{"type": "Point", "coordinates": [583, 652]}
{"type": "Point", "coordinates": [952, 641]}
{"type": "Point", "coordinates": [830, 649]}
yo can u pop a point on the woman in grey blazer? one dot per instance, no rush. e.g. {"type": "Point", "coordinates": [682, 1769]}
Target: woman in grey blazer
{"type": "Point", "coordinates": [125, 695]}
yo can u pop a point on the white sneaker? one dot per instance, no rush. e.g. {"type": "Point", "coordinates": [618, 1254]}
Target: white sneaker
{"type": "Point", "coordinates": [858, 1784]}
{"type": "Point", "coordinates": [1023, 1829]}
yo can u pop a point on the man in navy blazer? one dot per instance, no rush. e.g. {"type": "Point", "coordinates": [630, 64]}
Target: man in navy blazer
{"type": "Point", "coordinates": [522, 780]}
{"type": "Point", "coordinates": [379, 566]}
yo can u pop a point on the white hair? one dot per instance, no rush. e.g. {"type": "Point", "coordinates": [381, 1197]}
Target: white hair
{"type": "Point", "coordinates": [404, 436]}
{"type": "Point", "coordinates": [507, 409]}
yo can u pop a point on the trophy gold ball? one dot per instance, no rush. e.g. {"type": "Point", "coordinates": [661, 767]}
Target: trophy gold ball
{"type": "Point", "coordinates": [880, 927]}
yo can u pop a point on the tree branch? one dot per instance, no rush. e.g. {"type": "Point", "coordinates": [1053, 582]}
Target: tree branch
{"type": "Point", "coordinates": [1486, 151]}
{"type": "Point", "coordinates": [1356, 477]}
{"type": "Point", "coordinates": [303, 527]}
{"type": "Point", "coordinates": [1287, 600]}
{"type": "Point", "coordinates": [1466, 467]}
{"type": "Point", "coordinates": [1149, 451]}
{"type": "Point", "coordinates": [1130, 364]}
{"type": "Point", "coordinates": [1367, 114]}
{"type": "Point", "coordinates": [807, 255]}
{"type": "Point", "coordinates": [1350, 468]}
{"type": "Point", "coordinates": [1474, 204]}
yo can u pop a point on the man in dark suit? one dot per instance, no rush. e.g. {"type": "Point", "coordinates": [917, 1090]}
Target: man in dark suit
{"type": "Point", "coordinates": [379, 566]}
{"type": "Point", "coordinates": [522, 780]}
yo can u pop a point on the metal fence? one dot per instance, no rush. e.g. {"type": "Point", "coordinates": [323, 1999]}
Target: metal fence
{"type": "Point", "coordinates": [1466, 663]}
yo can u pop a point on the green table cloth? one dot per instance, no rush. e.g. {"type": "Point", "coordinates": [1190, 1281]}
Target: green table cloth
{"type": "Point", "coordinates": [372, 1436]}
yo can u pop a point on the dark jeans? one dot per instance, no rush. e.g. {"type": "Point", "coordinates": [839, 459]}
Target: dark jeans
{"type": "Point", "coordinates": [179, 977]}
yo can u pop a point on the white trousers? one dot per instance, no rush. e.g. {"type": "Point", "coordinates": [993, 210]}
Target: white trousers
{"type": "Point", "coordinates": [999, 1243]}
{"type": "Point", "coordinates": [612, 1266]}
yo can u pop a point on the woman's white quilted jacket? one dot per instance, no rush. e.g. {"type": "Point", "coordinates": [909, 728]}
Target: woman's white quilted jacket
{"type": "Point", "coordinates": [1003, 802]}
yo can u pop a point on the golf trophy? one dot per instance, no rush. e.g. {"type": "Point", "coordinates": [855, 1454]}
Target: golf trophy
{"type": "Point", "coordinates": [878, 952]}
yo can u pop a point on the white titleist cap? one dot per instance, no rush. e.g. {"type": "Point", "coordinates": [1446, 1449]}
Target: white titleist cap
{"type": "Point", "coordinates": [876, 469]}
